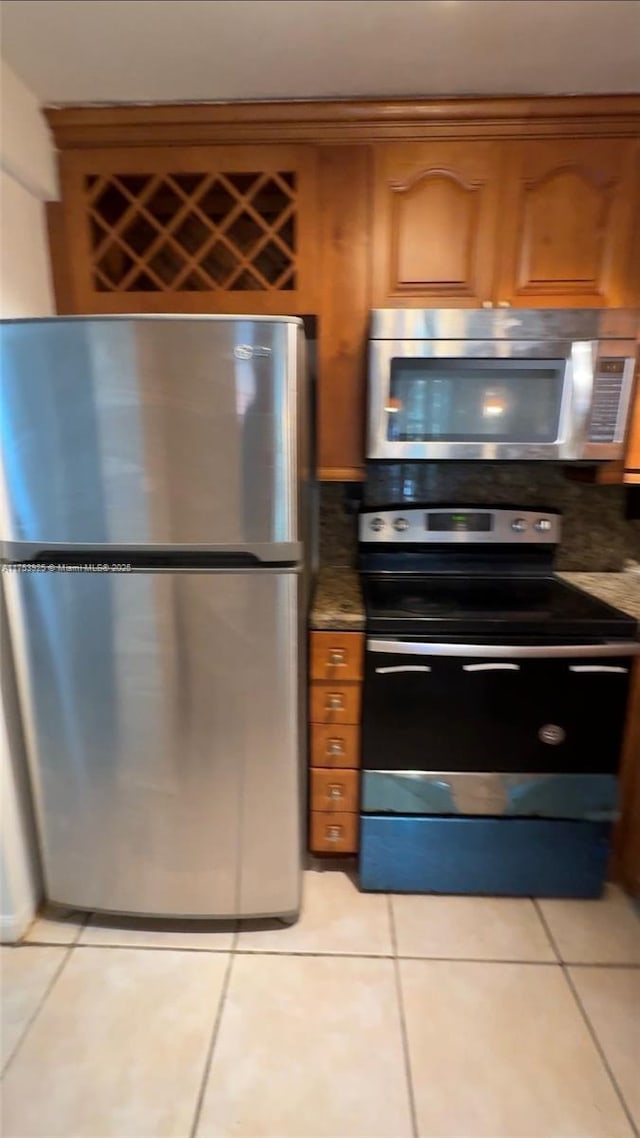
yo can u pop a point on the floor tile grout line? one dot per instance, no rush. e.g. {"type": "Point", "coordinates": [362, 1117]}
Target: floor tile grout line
{"type": "Point", "coordinates": [43, 999]}
{"type": "Point", "coordinates": [585, 1018]}
{"type": "Point", "coordinates": [545, 924]}
{"type": "Point", "coordinates": [599, 1048]}
{"type": "Point", "coordinates": [211, 1048]}
{"type": "Point", "coordinates": [124, 944]}
{"type": "Point", "coordinates": [343, 955]}
{"type": "Point", "coordinates": [403, 1024]}
{"type": "Point", "coordinates": [81, 928]}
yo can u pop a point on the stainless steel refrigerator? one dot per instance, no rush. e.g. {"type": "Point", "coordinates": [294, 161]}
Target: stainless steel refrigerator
{"type": "Point", "coordinates": [154, 508]}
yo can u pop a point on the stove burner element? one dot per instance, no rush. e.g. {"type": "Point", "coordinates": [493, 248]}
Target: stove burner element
{"type": "Point", "coordinates": [425, 577]}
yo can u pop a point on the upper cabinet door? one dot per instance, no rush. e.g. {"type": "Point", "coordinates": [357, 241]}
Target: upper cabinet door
{"type": "Point", "coordinates": [191, 229]}
{"type": "Point", "coordinates": [568, 218]}
{"type": "Point", "coordinates": [435, 223]}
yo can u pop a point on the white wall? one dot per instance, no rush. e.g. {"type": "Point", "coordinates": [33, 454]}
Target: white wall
{"type": "Point", "coordinates": [27, 180]}
{"type": "Point", "coordinates": [27, 150]}
{"type": "Point", "coordinates": [25, 276]}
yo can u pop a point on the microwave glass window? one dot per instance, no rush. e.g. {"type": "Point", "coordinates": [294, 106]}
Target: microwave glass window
{"type": "Point", "coordinates": [471, 400]}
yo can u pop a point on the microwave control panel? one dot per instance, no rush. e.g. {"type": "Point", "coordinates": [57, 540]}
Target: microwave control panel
{"type": "Point", "coordinates": [607, 410]}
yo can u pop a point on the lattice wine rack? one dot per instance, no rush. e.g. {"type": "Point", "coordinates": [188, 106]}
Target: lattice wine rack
{"type": "Point", "coordinates": [193, 232]}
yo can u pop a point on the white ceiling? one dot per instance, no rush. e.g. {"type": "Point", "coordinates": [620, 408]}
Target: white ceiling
{"type": "Point", "coordinates": [79, 51]}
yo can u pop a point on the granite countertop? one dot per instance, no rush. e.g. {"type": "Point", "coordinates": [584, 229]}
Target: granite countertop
{"type": "Point", "coordinates": [622, 590]}
{"type": "Point", "coordinates": [337, 600]}
{"type": "Point", "coordinates": [338, 603]}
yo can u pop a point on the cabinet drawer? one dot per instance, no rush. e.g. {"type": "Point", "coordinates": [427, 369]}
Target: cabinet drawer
{"type": "Point", "coordinates": [334, 790]}
{"type": "Point", "coordinates": [337, 655]}
{"type": "Point", "coordinates": [333, 833]}
{"type": "Point", "coordinates": [335, 703]}
{"type": "Point", "coordinates": [335, 746]}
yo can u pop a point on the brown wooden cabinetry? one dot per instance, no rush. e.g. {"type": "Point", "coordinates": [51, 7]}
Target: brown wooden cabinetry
{"type": "Point", "coordinates": [534, 223]}
{"type": "Point", "coordinates": [334, 790]}
{"type": "Point", "coordinates": [191, 229]}
{"type": "Point", "coordinates": [343, 307]}
{"type": "Point", "coordinates": [335, 746]}
{"type": "Point", "coordinates": [336, 656]}
{"type": "Point", "coordinates": [333, 833]}
{"type": "Point", "coordinates": [567, 218]}
{"type": "Point", "coordinates": [336, 670]}
{"type": "Point", "coordinates": [333, 208]}
{"type": "Point", "coordinates": [435, 223]}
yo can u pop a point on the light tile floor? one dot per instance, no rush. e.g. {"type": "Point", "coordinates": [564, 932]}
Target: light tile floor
{"type": "Point", "coordinates": [373, 1017]}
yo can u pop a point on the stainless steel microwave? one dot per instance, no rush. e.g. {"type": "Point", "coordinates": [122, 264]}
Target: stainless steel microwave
{"type": "Point", "coordinates": [503, 384]}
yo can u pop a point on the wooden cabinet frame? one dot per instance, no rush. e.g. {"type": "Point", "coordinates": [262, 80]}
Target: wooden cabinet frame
{"type": "Point", "coordinates": [328, 122]}
{"type": "Point", "coordinates": [339, 139]}
{"type": "Point", "coordinates": [111, 166]}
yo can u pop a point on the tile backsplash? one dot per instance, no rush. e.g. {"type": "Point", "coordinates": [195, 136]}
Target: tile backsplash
{"type": "Point", "coordinates": [596, 537]}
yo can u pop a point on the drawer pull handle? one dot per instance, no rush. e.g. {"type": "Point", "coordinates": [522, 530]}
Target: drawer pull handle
{"type": "Point", "coordinates": [335, 747]}
{"type": "Point", "coordinates": [596, 668]}
{"type": "Point", "coordinates": [335, 790]}
{"type": "Point", "coordinates": [404, 668]}
{"type": "Point", "coordinates": [333, 833]}
{"type": "Point", "coordinates": [490, 667]}
{"type": "Point", "coordinates": [334, 703]}
{"type": "Point", "coordinates": [336, 657]}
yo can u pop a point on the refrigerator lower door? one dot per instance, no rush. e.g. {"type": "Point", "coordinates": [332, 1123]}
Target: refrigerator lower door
{"type": "Point", "coordinates": [163, 720]}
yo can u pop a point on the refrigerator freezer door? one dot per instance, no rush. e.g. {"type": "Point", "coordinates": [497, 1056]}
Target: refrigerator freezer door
{"type": "Point", "coordinates": [151, 431]}
{"type": "Point", "coordinates": [163, 721]}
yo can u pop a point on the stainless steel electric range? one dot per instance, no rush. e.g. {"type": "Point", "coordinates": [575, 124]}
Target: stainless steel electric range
{"type": "Point", "coordinates": [494, 705]}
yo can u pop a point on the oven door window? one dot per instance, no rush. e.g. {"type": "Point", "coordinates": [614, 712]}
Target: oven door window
{"type": "Point", "coordinates": [475, 400]}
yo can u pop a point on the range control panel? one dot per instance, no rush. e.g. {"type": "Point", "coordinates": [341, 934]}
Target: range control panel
{"type": "Point", "coordinates": [420, 524]}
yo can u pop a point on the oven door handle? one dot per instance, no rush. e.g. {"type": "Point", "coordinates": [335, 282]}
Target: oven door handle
{"type": "Point", "coordinates": [505, 651]}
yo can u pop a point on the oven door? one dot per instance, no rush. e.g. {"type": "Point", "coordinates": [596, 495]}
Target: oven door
{"type": "Point", "coordinates": [466, 399]}
{"type": "Point", "coordinates": [474, 708]}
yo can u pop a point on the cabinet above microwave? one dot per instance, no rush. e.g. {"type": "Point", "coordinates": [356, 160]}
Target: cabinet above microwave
{"type": "Point", "coordinates": [505, 385]}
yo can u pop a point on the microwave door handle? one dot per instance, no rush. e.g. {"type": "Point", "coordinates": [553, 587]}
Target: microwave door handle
{"type": "Point", "coordinates": [505, 651]}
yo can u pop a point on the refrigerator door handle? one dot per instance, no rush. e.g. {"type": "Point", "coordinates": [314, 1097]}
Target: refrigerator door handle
{"type": "Point", "coordinates": [281, 553]}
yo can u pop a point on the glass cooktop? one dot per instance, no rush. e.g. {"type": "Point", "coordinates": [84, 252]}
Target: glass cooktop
{"type": "Point", "coordinates": [522, 606]}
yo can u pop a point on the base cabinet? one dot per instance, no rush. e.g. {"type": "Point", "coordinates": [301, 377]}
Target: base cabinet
{"type": "Point", "coordinates": [335, 699]}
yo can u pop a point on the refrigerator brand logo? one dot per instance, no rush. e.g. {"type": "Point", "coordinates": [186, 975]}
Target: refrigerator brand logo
{"type": "Point", "coordinates": [249, 352]}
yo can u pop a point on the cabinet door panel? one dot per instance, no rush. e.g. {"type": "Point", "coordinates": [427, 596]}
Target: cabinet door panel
{"type": "Point", "coordinates": [435, 222]}
{"type": "Point", "coordinates": [568, 217]}
{"type": "Point", "coordinates": [333, 833]}
{"type": "Point", "coordinates": [191, 229]}
{"type": "Point", "coordinates": [337, 656]}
